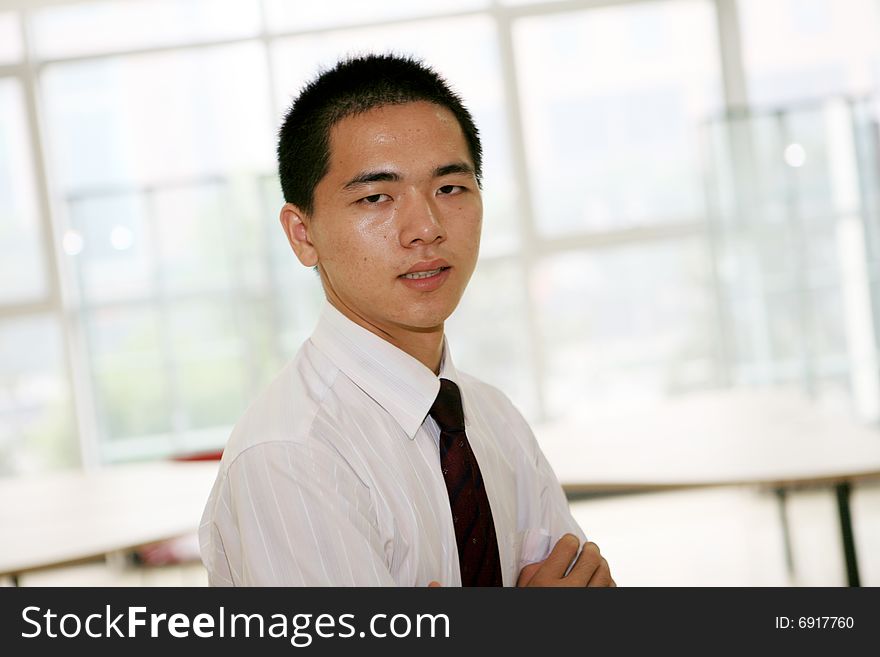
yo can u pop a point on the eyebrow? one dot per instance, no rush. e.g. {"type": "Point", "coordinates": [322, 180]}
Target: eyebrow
{"type": "Point", "coordinates": [455, 167]}
{"type": "Point", "coordinates": [367, 177]}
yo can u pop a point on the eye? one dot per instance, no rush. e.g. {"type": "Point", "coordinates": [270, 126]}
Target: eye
{"type": "Point", "coordinates": [374, 199]}
{"type": "Point", "coordinates": [448, 190]}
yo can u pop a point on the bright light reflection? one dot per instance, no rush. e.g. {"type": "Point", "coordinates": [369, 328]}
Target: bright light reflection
{"type": "Point", "coordinates": [121, 238]}
{"type": "Point", "coordinates": [72, 242]}
{"type": "Point", "coordinates": [795, 155]}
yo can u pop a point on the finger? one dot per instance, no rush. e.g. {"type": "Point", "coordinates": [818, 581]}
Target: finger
{"type": "Point", "coordinates": [585, 567]}
{"type": "Point", "coordinates": [434, 584]}
{"type": "Point", "coordinates": [527, 573]}
{"type": "Point", "coordinates": [602, 575]}
{"type": "Point", "coordinates": [560, 557]}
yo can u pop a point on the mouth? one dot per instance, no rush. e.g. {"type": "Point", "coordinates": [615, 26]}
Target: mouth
{"type": "Point", "coordinates": [417, 275]}
{"type": "Point", "coordinates": [426, 280]}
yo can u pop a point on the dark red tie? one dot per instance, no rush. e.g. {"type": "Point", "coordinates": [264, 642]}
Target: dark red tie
{"type": "Point", "coordinates": [471, 513]}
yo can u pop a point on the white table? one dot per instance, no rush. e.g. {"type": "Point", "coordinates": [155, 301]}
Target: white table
{"type": "Point", "coordinates": [65, 518]}
{"type": "Point", "coordinates": [775, 439]}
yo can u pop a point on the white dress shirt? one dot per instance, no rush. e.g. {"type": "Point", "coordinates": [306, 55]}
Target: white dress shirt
{"type": "Point", "coordinates": [332, 476]}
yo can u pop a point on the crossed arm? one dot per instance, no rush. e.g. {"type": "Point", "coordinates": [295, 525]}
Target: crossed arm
{"type": "Point", "coordinates": [589, 569]}
{"type": "Point", "coordinates": [293, 519]}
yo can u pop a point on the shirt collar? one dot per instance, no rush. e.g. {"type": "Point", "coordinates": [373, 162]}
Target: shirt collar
{"type": "Point", "coordinates": [399, 383]}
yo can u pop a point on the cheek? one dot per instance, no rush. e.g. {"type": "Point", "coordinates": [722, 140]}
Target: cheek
{"type": "Point", "coordinates": [467, 228]}
{"type": "Point", "coordinates": [372, 232]}
{"type": "Point", "coordinates": [354, 238]}
{"type": "Point", "coordinates": [359, 257]}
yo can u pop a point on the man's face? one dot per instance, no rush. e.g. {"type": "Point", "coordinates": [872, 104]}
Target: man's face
{"type": "Point", "coordinates": [399, 197]}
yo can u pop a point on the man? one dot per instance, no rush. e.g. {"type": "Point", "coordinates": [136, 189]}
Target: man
{"type": "Point", "coordinates": [370, 460]}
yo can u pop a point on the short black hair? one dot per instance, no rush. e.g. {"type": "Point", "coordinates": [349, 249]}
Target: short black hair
{"type": "Point", "coordinates": [356, 85]}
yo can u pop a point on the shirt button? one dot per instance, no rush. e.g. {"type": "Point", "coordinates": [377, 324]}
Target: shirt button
{"type": "Point", "coordinates": [474, 540]}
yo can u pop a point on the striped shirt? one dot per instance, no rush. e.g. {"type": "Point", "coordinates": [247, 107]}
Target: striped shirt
{"type": "Point", "coordinates": [332, 476]}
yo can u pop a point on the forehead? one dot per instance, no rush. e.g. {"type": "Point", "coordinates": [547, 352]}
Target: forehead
{"type": "Point", "coordinates": [406, 135]}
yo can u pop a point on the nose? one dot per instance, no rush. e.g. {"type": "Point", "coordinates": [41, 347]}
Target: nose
{"type": "Point", "coordinates": [420, 221]}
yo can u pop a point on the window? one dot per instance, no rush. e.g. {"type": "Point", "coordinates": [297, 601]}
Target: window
{"type": "Point", "coordinates": [798, 50]}
{"type": "Point", "coordinates": [638, 240]}
{"type": "Point", "coordinates": [87, 28]}
{"type": "Point", "coordinates": [610, 98]}
{"type": "Point", "coordinates": [163, 195]}
{"type": "Point", "coordinates": [795, 240]}
{"type": "Point", "coordinates": [159, 118]}
{"type": "Point", "coordinates": [22, 263]}
{"type": "Point", "coordinates": [625, 324]}
{"type": "Point", "coordinates": [290, 16]}
{"type": "Point", "coordinates": [11, 50]}
{"type": "Point", "coordinates": [37, 425]}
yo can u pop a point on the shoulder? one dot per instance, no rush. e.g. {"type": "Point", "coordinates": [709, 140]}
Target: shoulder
{"type": "Point", "coordinates": [283, 416]}
{"type": "Point", "coordinates": [488, 397]}
{"type": "Point", "coordinates": [288, 434]}
{"type": "Point", "coordinates": [489, 400]}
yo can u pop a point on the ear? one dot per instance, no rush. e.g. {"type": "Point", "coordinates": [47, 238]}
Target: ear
{"type": "Point", "coordinates": [293, 220]}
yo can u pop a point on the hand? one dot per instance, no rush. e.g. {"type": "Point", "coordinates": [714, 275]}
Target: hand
{"type": "Point", "coordinates": [590, 569]}
{"type": "Point", "coordinates": [435, 584]}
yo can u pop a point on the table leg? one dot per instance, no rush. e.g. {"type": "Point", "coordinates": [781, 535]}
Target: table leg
{"type": "Point", "coordinates": [786, 535]}
{"type": "Point", "coordinates": [846, 533]}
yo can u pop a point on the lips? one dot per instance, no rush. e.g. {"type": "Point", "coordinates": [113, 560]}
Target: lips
{"type": "Point", "coordinates": [422, 274]}
{"type": "Point", "coordinates": [425, 269]}
{"type": "Point", "coordinates": [426, 276]}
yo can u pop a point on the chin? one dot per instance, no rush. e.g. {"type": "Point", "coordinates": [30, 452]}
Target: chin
{"type": "Point", "coordinates": [422, 323]}
{"type": "Point", "coordinates": [426, 321]}
{"type": "Point", "coordinates": [427, 314]}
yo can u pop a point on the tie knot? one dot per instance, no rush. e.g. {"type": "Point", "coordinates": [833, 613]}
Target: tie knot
{"type": "Point", "coordinates": [447, 411]}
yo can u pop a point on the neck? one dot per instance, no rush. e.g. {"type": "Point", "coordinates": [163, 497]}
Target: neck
{"type": "Point", "coordinates": [425, 345]}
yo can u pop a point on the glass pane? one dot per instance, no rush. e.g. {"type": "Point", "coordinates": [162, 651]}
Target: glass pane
{"type": "Point", "coordinates": [750, 177]}
{"type": "Point", "coordinates": [37, 427]}
{"type": "Point", "coordinates": [192, 226]}
{"type": "Point", "coordinates": [129, 366]}
{"type": "Point", "coordinates": [867, 127]}
{"type": "Point", "coordinates": [787, 337]}
{"type": "Point", "coordinates": [284, 15]}
{"type": "Point", "coordinates": [156, 118]}
{"type": "Point", "coordinates": [249, 225]}
{"type": "Point", "coordinates": [866, 120]}
{"type": "Point", "coordinates": [116, 253]}
{"type": "Point", "coordinates": [794, 230]}
{"type": "Point", "coordinates": [188, 238]}
{"type": "Point", "coordinates": [100, 27]}
{"type": "Point", "coordinates": [11, 51]}
{"type": "Point", "coordinates": [489, 336]}
{"type": "Point", "coordinates": [624, 324]}
{"type": "Point", "coordinates": [22, 267]}
{"type": "Point", "coordinates": [471, 67]}
{"type": "Point", "coordinates": [611, 101]}
{"type": "Point", "coordinates": [209, 371]}
{"type": "Point", "coordinates": [805, 49]}
{"type": "Point", "coordinates": [262, 355]}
